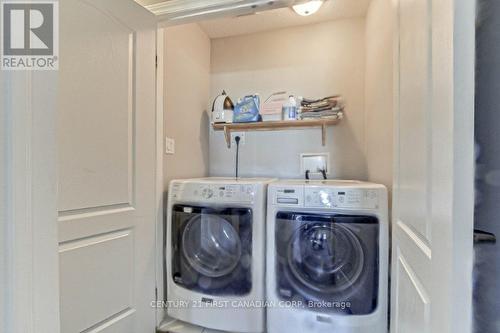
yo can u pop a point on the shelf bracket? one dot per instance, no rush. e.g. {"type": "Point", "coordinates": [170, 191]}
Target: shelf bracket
{"type": "Point", "coordinates": [227, 136]}
{"type": "Point", "coordinates": [323, 134]}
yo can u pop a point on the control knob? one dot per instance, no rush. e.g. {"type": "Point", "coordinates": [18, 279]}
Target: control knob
{"type": "Point", "coordinates": [207, 193]}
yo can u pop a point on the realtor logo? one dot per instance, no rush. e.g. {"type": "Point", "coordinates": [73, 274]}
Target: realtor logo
{"type": "Point", "coordinates": [30, 35]}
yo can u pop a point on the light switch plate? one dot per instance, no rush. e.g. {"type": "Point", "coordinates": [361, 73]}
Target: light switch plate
{"type": "Point", "coordinates": [315, 162]}
{"type": "Point", "coordinates": [242, 138]}
{"type": "Point", "coordinates": [169, 146]}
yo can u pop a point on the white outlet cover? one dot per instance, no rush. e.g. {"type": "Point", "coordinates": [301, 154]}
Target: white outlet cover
{"type": "Point", "coordinates": [242, 138]}
{"type": "Point", "coordinates": [314, 162]}
{"type": "Point", "coordinates": [169, 146]}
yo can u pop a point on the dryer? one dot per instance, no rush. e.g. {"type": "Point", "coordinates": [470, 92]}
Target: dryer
{"type": "Point", "coordinates": [215, 253]}
{"type": "Point", "coordinates": [327, 257]}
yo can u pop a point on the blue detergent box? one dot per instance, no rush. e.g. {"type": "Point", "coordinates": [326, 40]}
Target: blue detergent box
{"type": "Point", "coordinates": [247, 109]}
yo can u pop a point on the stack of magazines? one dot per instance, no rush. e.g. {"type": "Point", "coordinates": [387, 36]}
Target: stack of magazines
{"type": "Point", "coordinates": [331, 107]}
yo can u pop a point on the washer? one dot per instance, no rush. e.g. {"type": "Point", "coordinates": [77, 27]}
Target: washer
{"type": "Point", "coordinates": [215, 253]}
{"type": "Point", "coordinates": [327, 261]}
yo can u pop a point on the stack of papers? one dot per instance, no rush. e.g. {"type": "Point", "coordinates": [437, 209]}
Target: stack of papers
{"type": "Point", "coordinates": [331, 107]}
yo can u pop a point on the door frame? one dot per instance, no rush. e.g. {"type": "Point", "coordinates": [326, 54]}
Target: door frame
{"type": "Point", "coordinates": [464, 47]}
{"type": "Point", "coordinates": [160, 190]}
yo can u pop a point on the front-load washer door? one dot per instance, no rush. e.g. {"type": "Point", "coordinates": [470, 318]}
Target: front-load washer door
{"type": "Point", "coordinates": [329, 263]}
{"type": "Point", "coordinates": [212, 249]}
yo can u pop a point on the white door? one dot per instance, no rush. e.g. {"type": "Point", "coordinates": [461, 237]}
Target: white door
{"type": "Point", "coordinates": [433, 185]}
{"type": "Point", "coordinates": [106, 142]}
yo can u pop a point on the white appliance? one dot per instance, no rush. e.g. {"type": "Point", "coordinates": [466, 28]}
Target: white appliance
{"type": "Point", "coordinates": [215, 253]}
{"type": "Point", "coordinates": [222, 109]}
{"type": "Point", "coordinates": [327, 257]}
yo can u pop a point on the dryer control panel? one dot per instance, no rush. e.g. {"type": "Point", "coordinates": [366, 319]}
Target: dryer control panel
{"type": "Point", "coordinates": [243, 193]}
{"type": "Point", "coordinates": [325, 197]}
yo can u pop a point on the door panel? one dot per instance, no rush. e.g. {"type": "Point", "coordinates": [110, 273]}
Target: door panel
{"type": "Point", "coordinates": [413, 313]}
{"type": "Point", "coordinates": [433, 174]}
{"type": "Point", "coordinates": [107, 165]}
{"type": "Point", "coordinates": [108, 259]}
{"type": "Point", "coordinates": [98, 100]}
{"type": "Point", "coordinates": [415, 83]}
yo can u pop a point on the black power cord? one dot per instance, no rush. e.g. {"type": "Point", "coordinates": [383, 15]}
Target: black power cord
{"type": "Point", "coordinates": [237, 139]}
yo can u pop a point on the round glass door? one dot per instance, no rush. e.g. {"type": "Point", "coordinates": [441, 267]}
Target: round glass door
{"type": "Point", "coordinates": [326, 258]}
{"type": "Point", "coordinates": [211, 245]}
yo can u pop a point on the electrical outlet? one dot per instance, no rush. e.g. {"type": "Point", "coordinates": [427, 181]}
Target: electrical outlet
{"type": "Point", "coordinates": [242, 138]}
{"type": "Point", "coordinates": [169, 146]}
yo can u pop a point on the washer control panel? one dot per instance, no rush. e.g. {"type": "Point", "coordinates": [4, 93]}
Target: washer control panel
{"type": "Point", "coordinates": [325, 197]}
{"type": "Point", "coordinates": [244, 193]}
{"type": "Point", "coordinates": [341, 198]}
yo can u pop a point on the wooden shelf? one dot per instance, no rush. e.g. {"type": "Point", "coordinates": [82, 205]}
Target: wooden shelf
{"type": "Point", "coordinates": [274, 126]}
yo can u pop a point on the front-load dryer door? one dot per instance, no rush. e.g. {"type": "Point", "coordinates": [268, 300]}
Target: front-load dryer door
{"type": "Point", "coordinates": [212, 249]}
{"type": "Point", "coordinates": [328, 262]}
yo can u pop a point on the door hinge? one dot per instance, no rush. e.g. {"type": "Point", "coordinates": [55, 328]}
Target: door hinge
{"type": "Point", "coordinates": [156, 61]}
{"type": "Point", "coordinates": [156, 294]}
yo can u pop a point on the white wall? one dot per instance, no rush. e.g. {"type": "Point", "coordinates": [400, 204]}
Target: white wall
{"type": "Point", "coordinates": [379, 92]}
{"type": "Point", "coordinates": [187, 82]}
{"type": "Point", "coordinates": [313, 61]}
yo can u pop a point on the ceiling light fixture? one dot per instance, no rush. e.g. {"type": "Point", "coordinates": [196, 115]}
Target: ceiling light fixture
{"type": "Point", "coordinates": [308, 8]}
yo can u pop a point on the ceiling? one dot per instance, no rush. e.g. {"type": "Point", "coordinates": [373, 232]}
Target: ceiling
{"type": "Point", "coordinates": [282, 18]}
{"type": "Point", "coordinates": [278, 18]}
